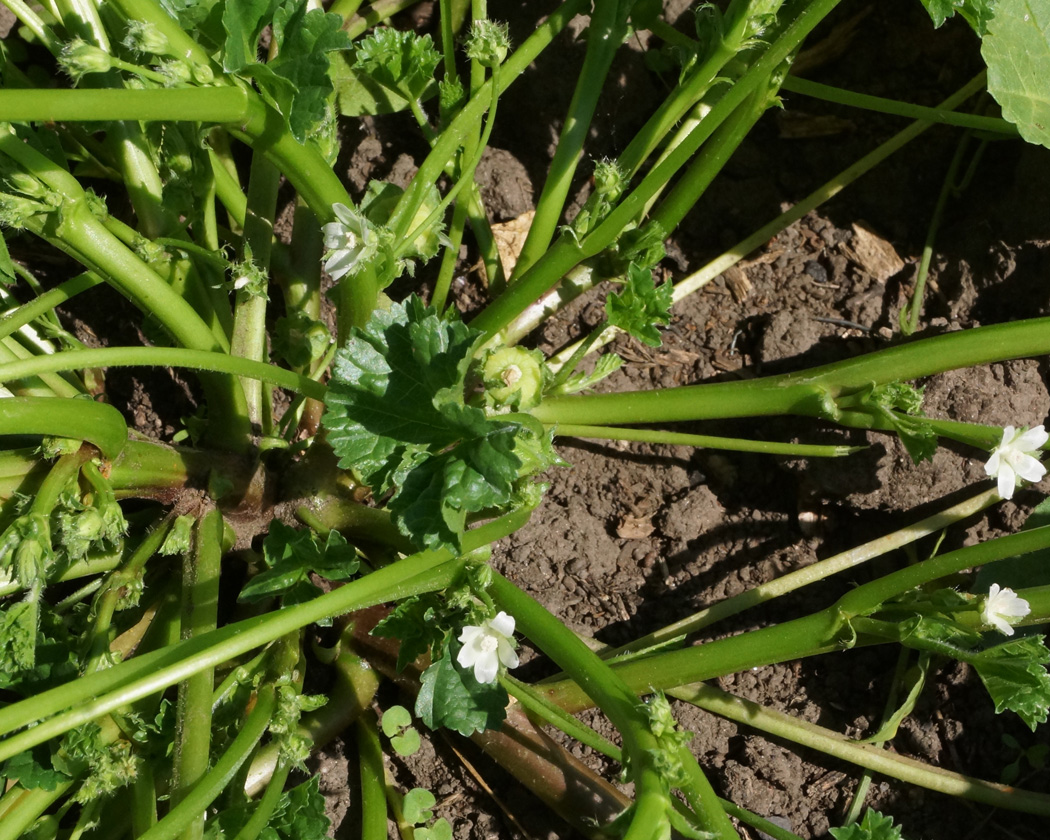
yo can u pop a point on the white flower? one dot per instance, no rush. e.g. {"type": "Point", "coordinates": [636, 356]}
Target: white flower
{"type": "Point", "coordinates": [352, 242]}
{"type": "Point", "coordinates": [1001, 605]}
{"type": "Point", "coordinates": [1011, 460]}
{"type": "Point", "coordinates": [485, 647]}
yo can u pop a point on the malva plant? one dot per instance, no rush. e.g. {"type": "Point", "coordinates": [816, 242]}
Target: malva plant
{"type": "Point", "coordinates": [160, 608]}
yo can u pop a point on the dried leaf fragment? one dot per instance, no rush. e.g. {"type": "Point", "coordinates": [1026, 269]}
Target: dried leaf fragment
{"type": "Point", "coordinates": [874, 254]}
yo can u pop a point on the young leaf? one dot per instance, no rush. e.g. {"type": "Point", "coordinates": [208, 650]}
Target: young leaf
{"type": "Point", "coordinates": [451, 698]}
{"type": "Point", "coordinates": [291, 555]}
{"type": "Point", "coordinates": [417, 805]}
{"type": "Point", "coordinates": [1016, 49]}
{"type": "Point", "coordinates": [874, 826]}
{"type": "Point", "coordinates": [640, 306]}
{"type": "Point", "coordinates": [397, 726]}
{"type": "Point", "coordinates": [402, 62]}
{"type": "Point", "coordinates": [416, 623]}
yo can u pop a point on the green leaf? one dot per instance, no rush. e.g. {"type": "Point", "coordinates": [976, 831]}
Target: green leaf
{"type": "Point", "coordinates": [976, 12]}
{"type": "Point", "coordinates": [640, 306]}
{"type": "Point", "coordinates": [1016, 677]}
{"type": "Point", "coordinates": [32, 769]}
{"type": "Point", "coordinates": [451, 698]}
{"type": "Point", "coordinates": [417, 805]}
{"type": "Point", "coordinates": [917, 677]}
{"type": "Point", "coordinates": [299, 815]}
{"type": "Point", "coordinates": [244, 21]}
{"type": "Point", "coordinates": [1014, 672]}
{"type": "Point", "coordinates": [291, 555]}
{"type": "Point", "coordinates": [1016, 49]}
{"type": "Point", "coordinates": [416, 623]}
{"type": "Point", "coordinates": [397, 726]}
{"type": "Point", "coordinates": [440, 830]}
{"type": "Point", "coordinates": [402, 62]}
{"type": "Point", "coordinates": [397, 417]}
{"type": "Point", "coordinates": [304, 39]}
{"type": "Point", "coordinates": [874, 826]}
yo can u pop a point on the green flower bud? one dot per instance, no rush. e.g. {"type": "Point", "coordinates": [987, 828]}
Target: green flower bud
{"type": "Point", "coordinates": [55, 447]}
{"type": "Point", "coordinates": [145, 37]}
{"type": "Point", "coordinates": [514, 377]}
{"type": "Point", "coordinates": [488, 42]}
{"type": "Point", "coordinates": [203, 74]}
{"type": "Point", "coordinates": [177, 72]}
{"type": "Point", "coordinates": [179, 539]}
{"type": "Point", "coordinates": [609, 180]}
{"type": "Point", "coordinates": [79, 58]}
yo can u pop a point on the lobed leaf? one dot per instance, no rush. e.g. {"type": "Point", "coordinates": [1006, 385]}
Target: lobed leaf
{"type": "Point", "coordinates": [398, 418]}
{"type": "Point", "coordinates": [873, 826]}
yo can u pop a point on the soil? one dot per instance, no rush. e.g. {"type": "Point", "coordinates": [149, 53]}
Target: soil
{"type": "Point", "coordinates": [631, 536]}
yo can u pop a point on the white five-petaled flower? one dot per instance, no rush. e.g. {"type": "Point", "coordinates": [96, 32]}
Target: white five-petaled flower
{"type": "Point", "coordinates": [487, 646]}
{"type": "Point", "coordinates": [1002, 605]}
{"type": "Point", "coordinates": [1012, 459]}
{"type": "Point", "coordinates": [352, 242]}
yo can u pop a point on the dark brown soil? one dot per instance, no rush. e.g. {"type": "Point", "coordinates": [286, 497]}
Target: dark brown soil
{"type": "Point", "coordinates": [631, 537]}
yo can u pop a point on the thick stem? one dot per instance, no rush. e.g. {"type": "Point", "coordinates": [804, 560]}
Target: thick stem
{"type": "Point", "coordinates": [97, 423]}
{"type": "Point", "coordinates": [200, 611]}
{"type": "Point", "coordinates": [807, 392]}
{"type": "Point", "coordinates": [608, 28]}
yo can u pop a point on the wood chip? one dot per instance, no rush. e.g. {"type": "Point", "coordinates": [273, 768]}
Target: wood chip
{"type": "Point", "coordinates": [736, 280]}
{"type": "Point", "coordinates": [634, 527]}
{"type": "Point", "coordinates": [510, 239]}
{"type": "Point", "coordinates": [873, 253]}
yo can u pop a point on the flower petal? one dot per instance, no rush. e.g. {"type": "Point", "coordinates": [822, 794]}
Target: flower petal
{"type": "Point", "coordinates": [502, 624]}
{"type": "Point", "coordinates": [1032, 440]}
{"type": "Point", "coordinates": [1029, 468]}
{"type": "Point", "coordinates": [1007, 481]}
{"type": "Point", "coordinates": [486, 668]}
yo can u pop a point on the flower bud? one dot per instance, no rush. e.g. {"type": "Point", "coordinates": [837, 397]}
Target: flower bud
{"type": "Point", "coordinates": [488, 42]}
{"type": "Point", "coordinates": [145, 37]}
{"type": "Point", "coordinates": [79, 58]}
{"type": "Point", "coordinates": [513, 377]}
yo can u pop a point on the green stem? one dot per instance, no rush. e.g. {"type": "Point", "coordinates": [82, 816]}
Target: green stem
{"type": "Point", "coordinates": [471, 114]}
{"type": "Point", "coordinates": [200, 612]}
{"type": "Point", "coordinates": [838, 746]}
{"type": "Point", "coordinates": [266, 805]}
{"type": "Point", "coordinates": [593, 677]}
{"type": "Point", "coordinates": [819, 632]}
{"type": "Point", "coordinates": [909, 317]}
{"type": "Point", "coordinates": [820, 570]}
{"type": "Point", "coordinates": [249, 322]}
{"type": "Point", "coordinates": [208, 105]}
{"type": "Point", "coordinates": [190, 811]}
{"type": "Point", "coordinates": [565, 253]}
{"type": "Point", "coordinates": [941, 115]}
{"type": "Point", "coordinates": [47, 301]}
{"type": "Point", "coordinates": [699, 279]}
{"type": "Point", "coordinates": [59, 709]}
{"type": "Point", "coordinates": [372, 772]}
{"type": "Point", "coordinates": [801, 450]}
{"type": "Point", "coordinates": [97, 423]}
{"type": "Point", "coordinates": [605, 34]}
{"type": "Point", "coordinates": [163, 357]}
{"type": "Point", "coordinates": [807, 392]}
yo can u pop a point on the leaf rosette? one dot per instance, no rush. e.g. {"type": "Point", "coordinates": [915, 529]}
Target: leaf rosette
{"type": "Point", "coordinates": [397, 416]}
